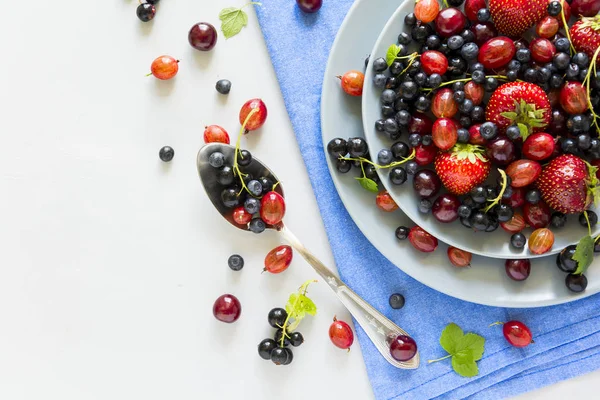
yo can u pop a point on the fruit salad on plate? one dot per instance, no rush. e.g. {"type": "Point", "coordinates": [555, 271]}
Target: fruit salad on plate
{"type": "Point", "coordinates": [493, 110]}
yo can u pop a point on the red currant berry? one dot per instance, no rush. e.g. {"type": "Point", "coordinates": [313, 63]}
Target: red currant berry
{"type": "Point", "coordinates": [278, 259]}
{"type": "Point", "coordinates": [538, 146]}
{"type": "Point", "coordinates": [341, 334]}
{"type": "Point", "coordinates": [434, 62]}
{"type": "Point", "coordinates": [517, 334]}
{"type": "Point", "coordinates": [422, 240]}
{"type": "Point", "coordinates": [385, 202]}
{"type": "Point", "coordinates": [497, 52]}
{"type": "Point", "coordinates": [241, 216]}
{"type": "Point", "coordinates": [272, 208]}
{"type": "Point", "coordinates": [574, 98]}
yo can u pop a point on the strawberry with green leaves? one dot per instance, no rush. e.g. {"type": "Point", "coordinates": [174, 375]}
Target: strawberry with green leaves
{"type": "Point", "coordinates": [519, 103]}
{"type": "Point", "coordinates": [569, 184]}
{"type": "Point", "coordinates": [585, 35]}
{"type": "Point", "coordinates": [462, 168]}
{"type": "Point", "coordinates": [514, 17]}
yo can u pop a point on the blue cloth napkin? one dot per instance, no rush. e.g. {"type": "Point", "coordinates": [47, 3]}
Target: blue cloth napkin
{"type": "Point", "coordinates": [567, 336]}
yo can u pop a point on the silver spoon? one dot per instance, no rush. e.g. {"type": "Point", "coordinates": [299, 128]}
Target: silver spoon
{"type": "Point", "coordinates": [379, 328]}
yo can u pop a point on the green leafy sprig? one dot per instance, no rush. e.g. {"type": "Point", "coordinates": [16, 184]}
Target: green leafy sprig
{"type": "Point", "coordinates": [234, 19]}
{"type": "Point", "coordinates": [464, 349]}
{"type": "Point", "coordinates": [298, 307]}
{"type": "Point", "coordinates": [370, 184]}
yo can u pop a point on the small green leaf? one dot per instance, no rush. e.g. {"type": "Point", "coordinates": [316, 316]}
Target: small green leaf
{"type": "Point", "coordinates": [368, 184]}
{"type": "Point", "coordinates": [472, 158]}
{"type": "Point", "coordinates": [510, 115]}
{"type": "Point", "coordinates": [392, 54]}
{"type": "Point", "coordinates": [451, 335]}
{"type": "Point", "coordinates": [524, 130]}
{"type": "Point", "coordinates": [472, 343]}
{"type": "Point", "coordinates": [233, 20]}
{"type": "Point", "coordinates": [584, 254]}
{"type": "Point", "coordinates": [465, 365]}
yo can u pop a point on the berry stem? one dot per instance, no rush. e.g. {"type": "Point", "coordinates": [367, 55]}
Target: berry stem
{"type": "Point", "coordinates": [412, 57]}
{"type": "Point", "coordinates": [587, 219]}
{"type": "Point", "coordinates": [502, 77]}
{"type": "Point", "coordinates": [496, 323]}
{"type": "Point", "coordinates": [289, 328]}
{"type": "Point", "coordinates": [566, 26]}
{"type": "Point", "coordinates": [439, 359]}
{"type": "Point", "coordinates": [394, 164]}
{"type": "Point", "coordinates": [586, 83]}
{"type": "Point", "coordinates": [497, 199]}
{"type": "Point", "coordinates": [236, 167]}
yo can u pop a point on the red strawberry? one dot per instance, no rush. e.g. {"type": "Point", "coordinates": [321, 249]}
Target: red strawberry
{"type": "Point", "coordinates": [521, 103]}
{"type": "Point", "coordinates": [462, 168]}
{"type": "Point", "coordinates": [568, 184]}
{"type": "Point", "coordinates": [514, 17]}
{"type": "Point", "coordinates": [585, 35]}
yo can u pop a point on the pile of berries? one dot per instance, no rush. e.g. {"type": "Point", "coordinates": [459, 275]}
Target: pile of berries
{"type": "Point", "coordinates": [486, 91]}
{"type": "Point", "coordinates": [277, 349]}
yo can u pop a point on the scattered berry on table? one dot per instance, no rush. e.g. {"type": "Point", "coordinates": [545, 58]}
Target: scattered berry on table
{"type": "Point", "coordinates": [235, 262]}
{"type": "Point", "coordinates": [227, 308]}
{"type": "Point", "coordinates": [517, 334]}
{"type": "Point", "coordinates": [397, 301]}
{"type": "Point", "coordinates": [341, 334]}
{"type": "Point", "coordinates": [253, 114]}
{"type": "Point", "coordinates": [215, 134]}
{"type": "Point", "coordinates": [278, 259]}
{"type": "Point", "coordinates": [310, 6]}
{"type": "Point", "coordinates": [223, 86]}
{"type": "Point", "coordinates": [146, 12]}
{"type": "Point", "coordinates": [202, 36]}
{"type": "Point", "coordinates": [164, 67]}
{"type": "Point", "coordinates": [166, 153]}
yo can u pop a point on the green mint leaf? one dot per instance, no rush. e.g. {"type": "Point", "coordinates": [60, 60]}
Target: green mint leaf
{"type": "Point", "coordinates": [451, 335]}
{"type": "Point", "coordinates": [392, 53]}
{"type": "Point", "coordinates": [473, 344]}
{"type": "Point", "coordinates": [368, 184]}
{"type": "Point", "coordinates": [465, 365]}
{"type": "Point", "coordinates": [233, 20]}
{"type": "Point", "coordinates": [584, 254]}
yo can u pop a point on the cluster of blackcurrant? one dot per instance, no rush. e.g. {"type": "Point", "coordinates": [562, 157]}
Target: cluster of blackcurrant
{"type": "Point", "coordinates": [277, 349]}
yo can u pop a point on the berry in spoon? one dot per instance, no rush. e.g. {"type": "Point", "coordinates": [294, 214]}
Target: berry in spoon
{"type": "Point", "coordinates": [272, 208]}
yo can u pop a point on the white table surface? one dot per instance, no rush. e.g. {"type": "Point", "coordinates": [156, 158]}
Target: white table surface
{"type": "Point", "coordinates": [111, 258]}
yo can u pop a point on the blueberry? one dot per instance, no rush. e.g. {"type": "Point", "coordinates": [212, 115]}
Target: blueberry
{"type": "Point", "coordinates": [469, 51]}
{"type": "Point", "coordinates": [225, 175]}
{"type": "Point", "coordinates": [561, 60]}
{"type": "Point", "coordinates": [488, 130]}
{"type": "Point", "coordinates": [244, 158]}
{"type": "Point", "coordinates": [478, 114]}
{"type": "Point", "coordinates": [265, 348]}
{"type": "Point", "coordinates": [397, 301]}
{"type": "Point", "coordinates": [554, 8]}
{"type": "Point", "coordinates": [483, 15]}
{"type": "Point", "coordinates": [514, 65]}
{"type": "Point", "coordinates": [543, 75]}
{"type": "Point", "coordinates": [591, 216]}
{"type": "Point", "coordinates": [463, 135]}
{"type": "Point", "coordinates": [512, 75]}
{"type": "Point", "coordinates": [478, 77]}
{"type": "Point", "coordinates": [513, 132]}
{"type": "Point", "coordinates": [426, 140]}
{"type": "Point", "coordinates": [385, 157]}
{"type": "Point", "coordinates": [584, 142]}
{"type": "Point", "coordinates": [257, 225]}
{"type": "Point", "coordinates": [477, 67]}
{"type": "Point", "coordinates": [166, 153]}
{"type": "Point", "coordinates": [562, 45]}
{"type": "Point", "coordinates": [518, 240]}
{"type": "Point", "coordinates": [398, 175]}
{"type": "Point", "coordinates": [433, 42]}
{"type": "Point", "coordinates": [296, 339]}
{"type": "Point", "coordinates": [434, 80]}
{"type": "Point", "coordinates": [216, 159]}
{"type": "Point", "coordinates": [581, 59]}
{"type": "Point", "coordinates": [357, 147]}
{"type": "Point", "coordinates": [411, 167]}
{"type": "Point", "coordinates": [573, 72]}
{"type": "Point", "coordinates": [533, 196]}
{"type": "Point", "coordinates": [465, 121]}
{"type": "Point", "coordinates": [466, 106]}
{"type": "Point", "coordinates": [558, 220]}
{"type": "Point", "coordinates": [402, 232]}
{"type": "Point", "coordinates": [390, 125]}
{"type": "Point", "coordinates": [337, 148]}
{"type": "Point", "coordinates": [523, 55]}
{"type": "Point", "coordinates": [379, 80]}
{"type": "Point", "coordinates": [255, 188]}
{"type": "Point", "coordinates": [556, 81]}
{"type": "Point", "coordinates": [425, 206]}
{"type": "Point", "coordinates": [223, 86]}
{"type": "Point", "coordinates": [568, 145]}
{"type": "Point", "coordinates": [229, 197]}
{"type": "Point", "coordinates": [414, 139]}
{"type": "Point", "coordinates": [459, 96]}
{"type": "Point", "coordinates": [530, 75]}
{"type": "Point", "coordinates": [455, 42]}
{"type": "Point", "coordinates": [235, 262]}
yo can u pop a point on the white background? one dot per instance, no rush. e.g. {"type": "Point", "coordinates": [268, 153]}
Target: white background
{"type": "Point", "coordinates": [111, 259]}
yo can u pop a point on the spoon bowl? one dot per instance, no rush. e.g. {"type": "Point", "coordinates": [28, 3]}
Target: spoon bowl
{"type": "Point", "coordinates": [380, 329]}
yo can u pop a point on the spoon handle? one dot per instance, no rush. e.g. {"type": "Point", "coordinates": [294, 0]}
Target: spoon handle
{"type": "Point", "coordinates": [379, 328]}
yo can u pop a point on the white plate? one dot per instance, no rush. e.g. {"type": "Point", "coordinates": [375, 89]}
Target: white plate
{"type": "Point", "coordinates": [485, 282]}
{"type": "Point", "coordinates": [494, 244]}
